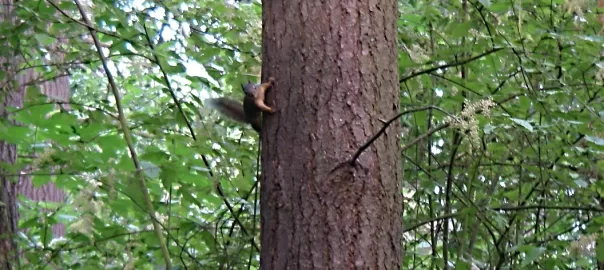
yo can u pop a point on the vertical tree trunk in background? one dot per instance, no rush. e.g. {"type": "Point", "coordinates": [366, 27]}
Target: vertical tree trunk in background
{"type": "Point", "coordinates": [8, 185]}
{"type": "Point", "coordinates": [11, 96]}
{"type": "Point", "coordinates": [335, 64]}
{"type": "Point", "coordinates": [57, 90]}
{"type": "Point", "coordinates": [600, 241]}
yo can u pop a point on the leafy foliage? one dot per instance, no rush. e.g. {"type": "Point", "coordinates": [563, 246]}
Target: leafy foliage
{"type": "Point", "coordinates": [166, 59]}
{"type": "Point", "coordinates": [517, 187]}
{"type": "Point", "coordinates": [509, 178]}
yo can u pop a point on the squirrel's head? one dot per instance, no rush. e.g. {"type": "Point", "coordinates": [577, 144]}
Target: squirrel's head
{"type": "Point", "coordinates": [248, 88]}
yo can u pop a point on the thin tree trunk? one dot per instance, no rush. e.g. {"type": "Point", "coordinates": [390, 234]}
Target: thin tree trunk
{"type": "Point", "coordinates": [335, 64]}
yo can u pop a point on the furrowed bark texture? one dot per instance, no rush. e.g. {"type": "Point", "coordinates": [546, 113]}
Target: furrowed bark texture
{"type": "Point", "coordinates": [335, 64]}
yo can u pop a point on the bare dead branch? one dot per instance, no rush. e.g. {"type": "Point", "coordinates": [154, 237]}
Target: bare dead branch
{"type": "Point", "coordinates": [366, 145]}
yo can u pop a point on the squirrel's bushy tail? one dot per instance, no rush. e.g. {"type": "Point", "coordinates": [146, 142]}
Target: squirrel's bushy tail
{"type": "Point", "coordinates": [231, 108]}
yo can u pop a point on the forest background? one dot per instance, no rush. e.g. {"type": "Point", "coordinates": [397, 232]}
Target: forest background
{"type": "Point", "coordinates": [507, 170]}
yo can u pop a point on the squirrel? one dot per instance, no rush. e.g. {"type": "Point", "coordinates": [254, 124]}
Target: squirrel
{"type": "Point", "coordinates": [253, 104]}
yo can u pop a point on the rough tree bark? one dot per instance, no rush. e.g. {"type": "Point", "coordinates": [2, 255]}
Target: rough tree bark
{"type": "Point", "coordinates": [335, 64]}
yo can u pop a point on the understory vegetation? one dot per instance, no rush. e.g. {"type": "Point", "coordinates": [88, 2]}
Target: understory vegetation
{"type": "Point", "coordinates": [503, 152]}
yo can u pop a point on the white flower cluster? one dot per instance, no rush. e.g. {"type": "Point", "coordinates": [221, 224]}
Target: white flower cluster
{"type": "Point", "coordinates": [600, 72]}
{"type": "Point", "coordinates": [467, 120]}
{"type": "Point", "coordinates": [584, 246]}
{"type": "Point", "coordinates": [85, 204]}
{"type": "Point", "coordinates": [417, 53]}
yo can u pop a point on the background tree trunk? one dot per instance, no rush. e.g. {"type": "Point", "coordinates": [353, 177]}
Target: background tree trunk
{"type": "Point", "coordinates": [335, 64]}
{"type": "Point", "coordinates": [12, 95]}
{"type": "Point", "coordinates": [8, 187]}
{"type": "Point", "coordinates": [14, 87]}
{"type": "Point", "coordinates": [57, 90]}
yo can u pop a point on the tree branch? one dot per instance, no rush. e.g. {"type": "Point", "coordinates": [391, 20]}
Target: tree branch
{"type": "Point", "coordinates": [366, 145]}
{"type": "Point", "coordinates": [545, 207]}
{"type": "Point", "coordinates": [128, 138]}
{"type": "Point", "coordinates": [463, 62]}
{"type": "Point", "coordinates": [508, 208]}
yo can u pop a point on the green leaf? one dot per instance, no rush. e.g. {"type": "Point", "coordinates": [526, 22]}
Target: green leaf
{"type": "Point", "coordinates": [532, 253]}
{"type": "Point", "coordinates": [174, 69]}
{"type": "Point", "coordinates": [41, 179]}
{"type": "Point", "coordinates": [462, 265]}
{"type": "Point", "coordinates": [461, 29]}
{"type": "Point", "coordinates": [188, 197]}
{"type": "Point", "coordinates": [134, 192]}
{"type": "Point", "coordinates": [45, 39]}
{"type": "Point", "coordinates": [35, 114]}
{"type": "Point", "coordinates": [208, 239]}
{"type": "Point", "coordinates": [149, 169]}
{"type": "Point", "coordinates": [600, 249]}
{"type": "Point", "coordinates": [14, 134]}
{"type": "Point", "coordinates": [243, 183]}
{"type": "Point", "coordinates": [47, 234]}
{"type": "Point", "coordinates": [90, 131]}
{"type": "Point", "coordinates": [167, 175]}
{"type": "Point", "coordinates": [523, 123]}
{"type": "Point", "coordinates": [485, 3]}
{"type": "Point", "coordinates": [31, 223]}
{"type": "Point", "coordinates": [596, 140]}
{"type": "Point", "coordinates": [500, 6]}
{"type": "Point", "coordinates": [581, 183]}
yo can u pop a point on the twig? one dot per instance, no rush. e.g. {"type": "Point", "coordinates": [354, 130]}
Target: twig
{"type": "Point", "coordinates": [419, 224]}
{"type": "Point", "coordinates": [552, 207]}
{"type": "Point", "coordinates": [86, 23]}
{"type": "Point", "coordinates": [510, 208]}
{"type": "Point", "coordinates": [423, 136]}
{"type": "Point", "coordinates": [366, 145]}
{"type": "Point", "coordinates": [463, 62]}
{"type": "Point", "coordinates": [383, 129]}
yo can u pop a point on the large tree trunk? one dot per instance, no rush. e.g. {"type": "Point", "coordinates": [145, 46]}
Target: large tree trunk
{"type": "Point", "coordinates": [335, 64]}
